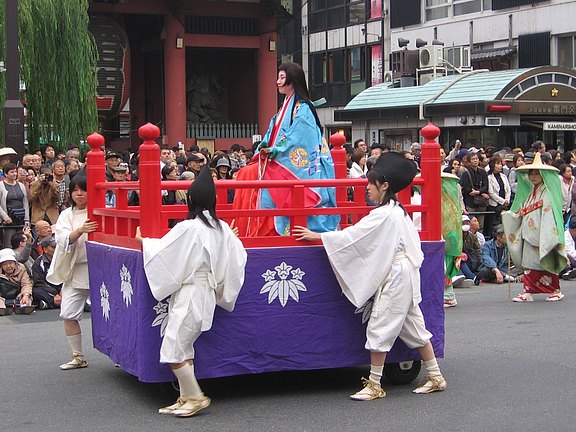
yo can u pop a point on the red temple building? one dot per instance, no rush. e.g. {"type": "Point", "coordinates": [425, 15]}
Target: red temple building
{"type": "Point", "coordinates": [203, 71]}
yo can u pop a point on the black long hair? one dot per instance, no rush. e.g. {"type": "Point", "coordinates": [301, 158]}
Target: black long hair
{"type": "Point", "coordinates": [295, 76]}
{"type": "Point", "coordinates": [376, 179]}
{"type": "Point", "coordinates": [202, 196]}
{"type": "Point", "coordinates": [79, 180]}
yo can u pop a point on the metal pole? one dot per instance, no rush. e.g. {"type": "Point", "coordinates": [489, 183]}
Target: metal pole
{"type": "Point", "coordinates": [13, 111]}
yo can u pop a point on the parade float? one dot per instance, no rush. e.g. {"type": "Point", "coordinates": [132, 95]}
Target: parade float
{"type": "Point", "coordinates": [290, 314]}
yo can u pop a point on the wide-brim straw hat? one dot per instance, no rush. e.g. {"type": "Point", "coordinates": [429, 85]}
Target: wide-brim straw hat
{"type": "Point", "coordinates": [537, 165]}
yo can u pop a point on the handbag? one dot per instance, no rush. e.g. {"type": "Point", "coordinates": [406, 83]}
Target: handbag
{"type": "Point", "coordinates": [17, 215]}
{"type": "Point", "coordinates": [480, 201]}
{"type": "Point", "coordinates": [8, 290]}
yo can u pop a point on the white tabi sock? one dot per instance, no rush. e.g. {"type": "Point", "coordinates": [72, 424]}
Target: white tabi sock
{"type": "Point", "coordinates": [432, 367]}
{"type": "Point", "coordinates": [187, 381]}
{"type": "Point", "coordinates": [376, 373]}
{"type": "Point", "coordinates": [75, 342]}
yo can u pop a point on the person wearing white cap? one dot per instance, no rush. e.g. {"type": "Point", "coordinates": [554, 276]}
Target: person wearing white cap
{"type": "Point", "coordinates": [6, 154]}
{"type": "Point", "coordinates": [15, 284]}
{"type": "Point", "coordinates": [394, 261]}
{"type": "Point", "coordinates": [534, 229]}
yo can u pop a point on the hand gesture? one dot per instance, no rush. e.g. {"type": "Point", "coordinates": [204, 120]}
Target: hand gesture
{"type": "Point", "coordinates": [88, 226]}
{"type": "Point", "coordinates": [138, 237]}
{"type": "Point", "coordinates": [234, 228]}
{"type": "Point", "coordinates": [303, 233]}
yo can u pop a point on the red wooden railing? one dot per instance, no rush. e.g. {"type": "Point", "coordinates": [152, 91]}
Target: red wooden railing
{"type": "Point", "coordinates": [117, 226]}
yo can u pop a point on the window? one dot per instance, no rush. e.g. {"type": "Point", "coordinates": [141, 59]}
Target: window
{"type": "Point", "coordinates": [437, 9]}
{"type": "Point", "coordinates": [466, 7]}
{"type": "Point", "coordinates": [566, 52]}
{"type": "Point", "coordinates": [534, 50]}
{"type": "Point", "coordinates": [337, 75]}
{"type": "Point", "coordinates": [404, 13]}
{"type": "Point", "coordinates": [354, 65]}
{"type": "Point", "coordinates": [356, 12]}
{"type": "Point", "coordinates": [330, 14]}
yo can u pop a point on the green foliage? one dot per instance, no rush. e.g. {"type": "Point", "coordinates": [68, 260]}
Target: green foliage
{"type": "Point", "coordinates": [58, 65]}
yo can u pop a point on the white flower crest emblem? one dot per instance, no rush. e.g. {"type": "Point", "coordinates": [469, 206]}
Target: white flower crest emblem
{"type": "Point", "coordinates": [126, 285]}
{"type": "Point", "coordinates": [161, 310]}
{"type": "Point", "coordinates": [283, 288]}
{"type": "Point", "coordinates": [104, 301]}
{"type": "Point", "coordinates": [365, 310]}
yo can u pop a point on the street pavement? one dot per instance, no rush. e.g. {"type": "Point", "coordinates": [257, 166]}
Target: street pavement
{"type": "Point", "coordinates": [509, 367]}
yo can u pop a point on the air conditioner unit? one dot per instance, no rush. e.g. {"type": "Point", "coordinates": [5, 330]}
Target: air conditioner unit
{"type": "Point", "coordinates": [404, 63]}
{"type": "Point", "coordinates": [388, 77]}
{"type": "Point", "coordinates": [425, 78]}
{"type": "Point", "coordinates": [430, 56]}
{"type": "Point", "coordinates": [493, 121]}
{"type": "Point", "coordinates": [459, 57]}
{"type": "Point", "coordinates": [407, 81]}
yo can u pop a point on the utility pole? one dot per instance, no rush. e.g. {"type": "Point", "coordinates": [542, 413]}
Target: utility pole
{"type": "Point", "coordinates": [13, 111]}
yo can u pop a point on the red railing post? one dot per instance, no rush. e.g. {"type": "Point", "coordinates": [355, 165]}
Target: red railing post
{"type": "Point", "coordinates": [340, 170]}
{"type": "Point", "coordinates": [95, 173]}
{"type": "Point", "coordinates": [339, 156]}
{"type": "Point", "coordinates": [149, 176]}
{"type": "Point", "coordinates": [432, 188]}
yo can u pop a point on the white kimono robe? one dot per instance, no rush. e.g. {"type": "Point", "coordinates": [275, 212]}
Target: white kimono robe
{"type": "Point", "coordinates": [362, 255]}
{"type": "Point", "coordinates": [199, 267]}
{"type": "Point", "coordinates": [69, 264]}
{"type": "Point", "coordinates": [381, 256]}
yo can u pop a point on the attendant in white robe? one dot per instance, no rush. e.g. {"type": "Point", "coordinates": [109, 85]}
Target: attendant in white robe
{"type": "Point", "coordinates": [69, 267]}
{"type": "Point", "coordinates": [386, 242]}
{"type": "Point", "coordinates": [200, 264]}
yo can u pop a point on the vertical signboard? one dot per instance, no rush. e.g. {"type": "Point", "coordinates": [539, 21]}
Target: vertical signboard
{"type": "Point", "coordinates": [376, 62]}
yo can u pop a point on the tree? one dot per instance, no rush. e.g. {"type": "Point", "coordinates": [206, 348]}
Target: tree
{"type": "Point", "coordinates": [58, 67]}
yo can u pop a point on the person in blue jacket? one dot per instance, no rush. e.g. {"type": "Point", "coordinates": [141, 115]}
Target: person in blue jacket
{"type": "Point", "coordinates": [494, 267]}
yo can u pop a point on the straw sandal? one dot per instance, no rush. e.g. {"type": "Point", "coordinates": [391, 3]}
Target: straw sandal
{"type": "Point", "coordinates": [370, 391]}
{"type": "Point", "coordinates": [78, 362]}
{"type": "Point", "coordinates": [192, 405]}
{"type": "Point", "coordinates": [171, 408]}
{"type": "Point", "coordinates": [432, 384]}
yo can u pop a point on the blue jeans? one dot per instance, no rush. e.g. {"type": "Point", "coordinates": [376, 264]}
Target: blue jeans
{"type": "Point", "coordinates": [466, 270]}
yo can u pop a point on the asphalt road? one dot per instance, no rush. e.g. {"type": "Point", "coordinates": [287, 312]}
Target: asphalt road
{"type": "Point", "coordinates": [509, 367]}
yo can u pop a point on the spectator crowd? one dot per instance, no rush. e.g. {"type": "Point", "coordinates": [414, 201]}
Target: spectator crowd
{"type": "Point", "coordinates": [34, 191]}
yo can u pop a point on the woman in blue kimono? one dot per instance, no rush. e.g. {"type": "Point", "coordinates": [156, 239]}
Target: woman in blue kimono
{"type": "Point", "coordinates": [292, 149]}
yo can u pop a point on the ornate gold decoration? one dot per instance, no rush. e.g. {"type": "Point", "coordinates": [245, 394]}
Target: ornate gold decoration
{"type": "Point", "coordinates": [554, 92]}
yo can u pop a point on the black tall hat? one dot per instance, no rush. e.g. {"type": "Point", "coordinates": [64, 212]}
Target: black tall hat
{"type": "Point", "coordinates": [202, 191]}
{"type": "Point", "coordinates": [398, 170]}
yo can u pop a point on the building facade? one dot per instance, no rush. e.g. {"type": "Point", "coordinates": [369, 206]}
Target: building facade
{"type": "Point", "coordinates": [204, 71]}
{"type": "Point", "coordinates": [410, 42]}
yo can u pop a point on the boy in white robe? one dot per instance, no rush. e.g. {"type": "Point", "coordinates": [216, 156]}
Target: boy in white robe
{"type": "Point", "coordinates": [200, 264]}
{"type": "Point", "coordinates": [386, 242]}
